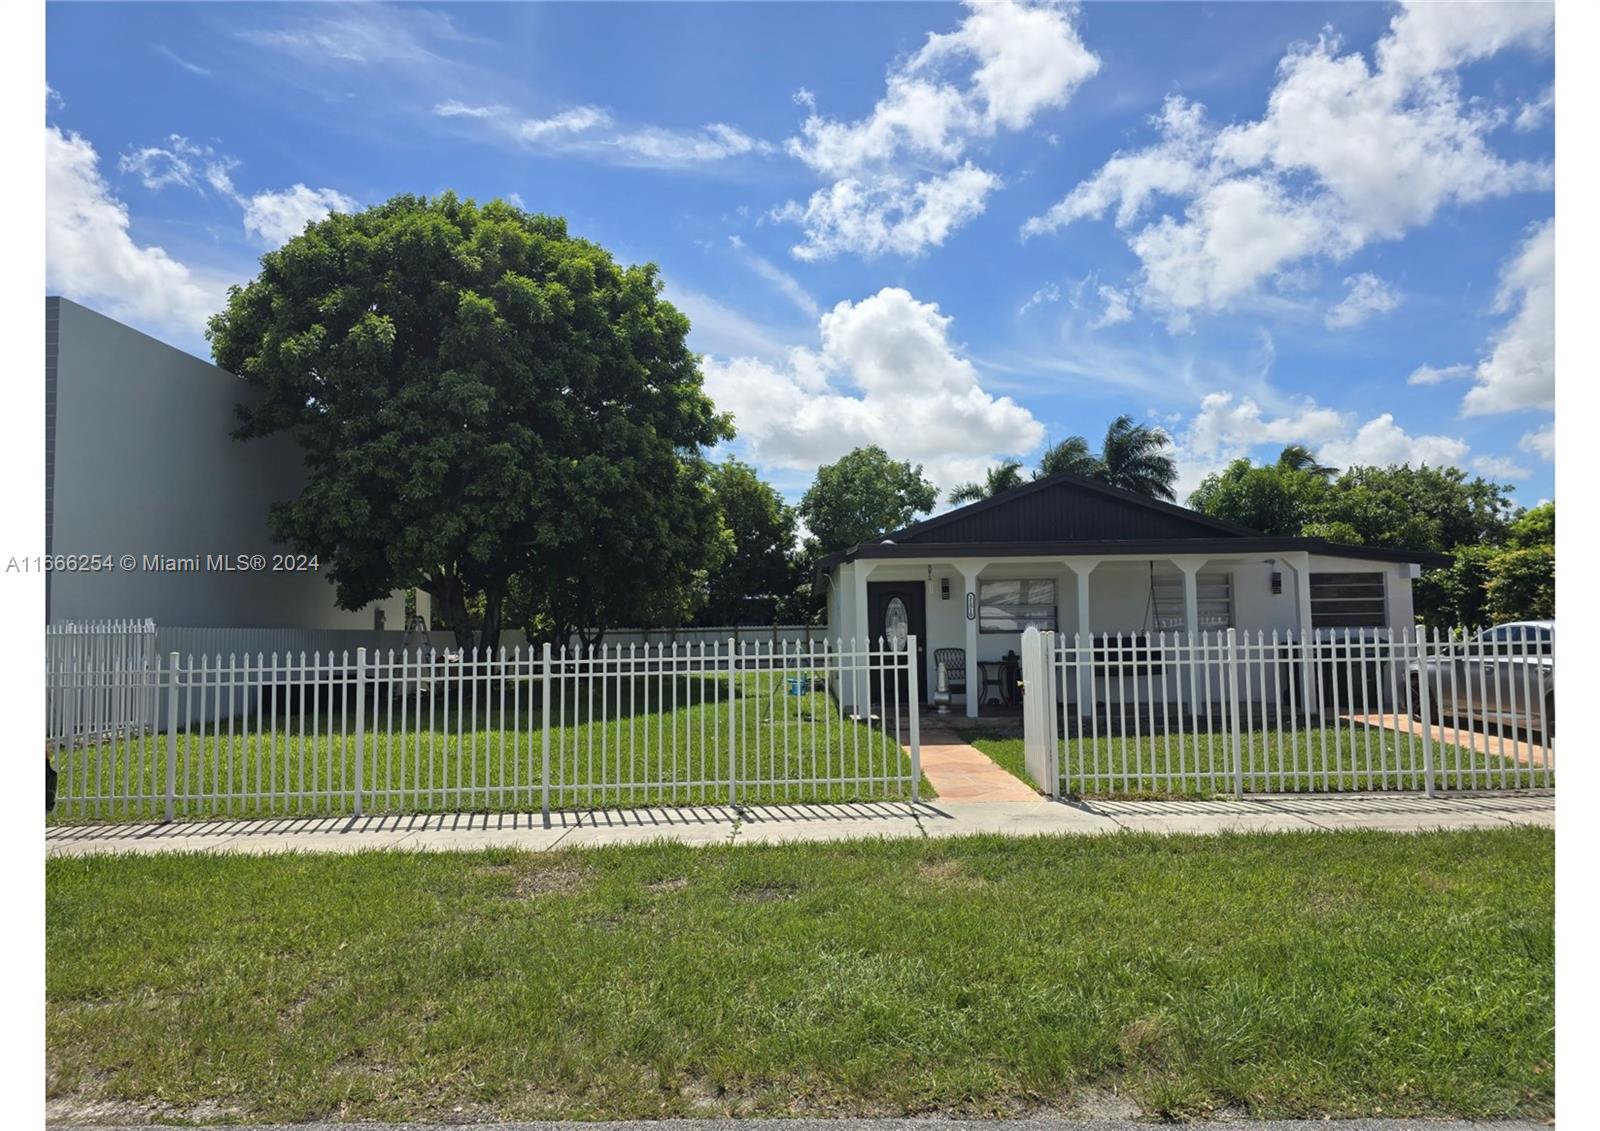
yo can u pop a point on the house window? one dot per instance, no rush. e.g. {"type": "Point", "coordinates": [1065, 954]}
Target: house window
{"type": "Point", "coordinates": [1348, 600]}
{"type": "Point", "coordinates": [1213, 602]}
{"type": "Point", "coordinates": [1012, 606]}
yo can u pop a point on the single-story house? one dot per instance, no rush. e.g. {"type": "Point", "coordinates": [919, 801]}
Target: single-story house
{"type": "Point", "coordinates": [1076, 556]}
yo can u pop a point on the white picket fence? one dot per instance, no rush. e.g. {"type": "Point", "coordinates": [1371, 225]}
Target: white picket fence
{"type": "Point", "coordinates": [520, 730]}
{"type": "Point", "coordinates": [1236, 713]}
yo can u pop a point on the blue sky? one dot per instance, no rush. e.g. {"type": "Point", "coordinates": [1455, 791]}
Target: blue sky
{"type": "Point", "coordinates": [958, 232]}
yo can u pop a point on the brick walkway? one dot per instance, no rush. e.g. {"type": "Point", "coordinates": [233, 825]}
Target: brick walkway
{"type": "Point", "coordinates": [1508, 746]}
{"type": "Point", "coordinates": [960, 772]}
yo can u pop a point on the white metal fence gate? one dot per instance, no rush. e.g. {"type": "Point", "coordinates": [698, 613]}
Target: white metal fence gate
{"type": "Point", "coordinates": [1233, 712]}
{"type": "Point", "coordinates": [529, 729]}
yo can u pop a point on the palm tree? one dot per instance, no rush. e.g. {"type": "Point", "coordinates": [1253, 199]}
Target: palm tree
{"type": "Point", "coordinates": [1071, 454]}
{"type": "Point", "coordinates": [1298, 457]}
{"type": "Point", "coordinates": [1135, 458]}
{"type": "Point", "coordinates": [997, 481]}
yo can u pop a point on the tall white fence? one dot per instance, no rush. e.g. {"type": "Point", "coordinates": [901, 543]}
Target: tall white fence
{"type": "Point", "coordinates": [96, 681]}
{"type": "Point", "coordinates": [1237, 713]}
{"type": "Point", "coordinates": [521, 730]}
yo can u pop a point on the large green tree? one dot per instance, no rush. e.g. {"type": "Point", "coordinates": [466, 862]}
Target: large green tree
{"type": "Point", "coordinates": [863, 496]}
{"type": "Point", "coordinates": [758, 576]}
{"type": "Point", "coordinates": [480, 396]}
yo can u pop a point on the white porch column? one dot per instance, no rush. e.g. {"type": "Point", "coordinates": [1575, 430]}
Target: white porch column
{"type": "Point", "coordinates": [1190, 567]}
{"type": "Point", "coordinates": [1081, 569]}
{"type": "Point", "coordinates": [861, 640]}
{"type": "Point", "coordinates": [969, 610]}
{"type": "Point", "coordinates": [1301, 561]}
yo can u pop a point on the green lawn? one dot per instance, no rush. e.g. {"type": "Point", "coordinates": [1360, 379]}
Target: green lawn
{"type": "Point", "coordinates": [1293, 974]}
{"type": "Point", "coordinates": [661, 741]}
{"type": "Point", "coordinates": [1194, 766]}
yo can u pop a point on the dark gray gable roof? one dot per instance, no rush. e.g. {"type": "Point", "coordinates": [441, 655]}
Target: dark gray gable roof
{"type": "Point", "coordinates": [1066, 508]}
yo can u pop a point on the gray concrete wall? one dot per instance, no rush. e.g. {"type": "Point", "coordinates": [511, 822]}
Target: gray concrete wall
{"type": "Point", "coordinates": [143, 464]}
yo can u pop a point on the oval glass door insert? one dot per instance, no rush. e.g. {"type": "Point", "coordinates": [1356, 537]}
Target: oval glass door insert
{"type": "Point", "coordinates": [896, 624]}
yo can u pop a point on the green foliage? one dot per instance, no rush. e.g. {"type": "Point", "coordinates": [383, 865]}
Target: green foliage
{"type": "Point", "coordinates": [1456, 596]}
{"type": "Point", "coordinates": [999, 479]}
{"type": "Point", "coordinates": [480, 397]}
{"type": "Point", "coordinates": [1339, 532]}
{"type": "Point", "coordinates": [1132, 456]}
{"type": "Point", "coordinates": [1071, 454]}
{"type": "Point", "coordinates": [1298, 457]}
{"type": "Point", "coordinates": [1136, 458]}
{"type": "Point", "coordinates": [863, 496]}
{"type": "Point", "coordinates": [1275, 499]}
{"type": "Point", "coordinates": [1522, 584]}
{"type": "Point", "coordinates": [759, 573]}
{"type": "Point", "coordinates": [1535, 527]}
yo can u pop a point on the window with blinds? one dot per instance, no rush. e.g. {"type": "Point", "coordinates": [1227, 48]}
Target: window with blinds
{"type": "Point", "coordinates": [1213, 602]}
{"type": "Point", "coordinates": [1012, 606]}
{"type": "Point", "coordinates": [1348, 600]}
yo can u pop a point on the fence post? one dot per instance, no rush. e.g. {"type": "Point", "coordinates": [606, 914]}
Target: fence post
{"type": "Point", "coordinates": [914, 699]}
{"type": "Point", "coordinates": [544, 728]}
{"type": "Point", "coordinates": [361, 721]}
{"type": "Point", "coordinates": [1233, 711]}
{"type": "Point", "coordinates": [733, 720]}
{"type": "Point", "coordinates": [1051, 708]}
{"type": "Point", "coordinates": [172, 735]}
{"type": "Point", "coordinates": [1423, 710]}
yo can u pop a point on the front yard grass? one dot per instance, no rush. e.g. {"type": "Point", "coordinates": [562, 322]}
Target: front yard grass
{"type": "Point", "coordinates": [1292, 974]}
{"type": "Point", "coordinates": [1191, 766]}
{"type": "Point", "coordinates": [646, 740]}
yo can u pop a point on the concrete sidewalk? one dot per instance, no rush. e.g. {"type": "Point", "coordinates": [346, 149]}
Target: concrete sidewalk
{"type": "Point", "coordinates": [774, 824]}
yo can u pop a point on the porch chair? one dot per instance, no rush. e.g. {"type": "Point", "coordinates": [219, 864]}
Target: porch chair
{"type": "Point", "coordinates": [955, 667]}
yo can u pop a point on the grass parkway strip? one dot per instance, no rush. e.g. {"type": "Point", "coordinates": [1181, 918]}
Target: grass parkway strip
{"type": "Point", "coordinates": [1284, 975]}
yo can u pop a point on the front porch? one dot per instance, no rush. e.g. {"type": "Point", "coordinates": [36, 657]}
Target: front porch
{"type": "Point", "coordinates": [970, 612]}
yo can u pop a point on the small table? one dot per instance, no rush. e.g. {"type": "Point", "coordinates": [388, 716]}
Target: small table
{"type": "Point", "coordinates": [999, 676]}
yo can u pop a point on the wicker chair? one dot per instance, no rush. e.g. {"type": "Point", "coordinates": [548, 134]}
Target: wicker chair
{"type": "Point", "coordinates": [955, 667]}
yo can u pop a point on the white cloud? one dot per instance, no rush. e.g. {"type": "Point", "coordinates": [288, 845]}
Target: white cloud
{"type": "Point", "coordinates": [1381, 442]}
{"type": "Point", "coordinates": [1227, 428]}
{"type": "Point", "coordinates": [1532, 115]}
{"type": "Point", "coordinates": [573, 121]}
{"type": "Point", "coordinates": [591, 131]}
{"type": "Point", "coordinates": [457, 109]}
{"type": "Point", "coordinates": [277, 217]}
{"type": "Point", "coordinates": [179, 161]}
{"type": "Point", "coordinates": [785, 283]}
{"type": "Point", "coordinates": [1117, 309]}
{"type": "Point", "coordinates": [899, 180]}
{"type": "Point", "coordinates": [1050, 292]}
{"type": "Point", "coordinates": [271, 217]}
{"type": "Point", "coordinates": [360, 36]}
{"type": "Point", "coordinates": [888, 213]}
{"type": "Point", "coordinates": [886, 373]}
{"type": "Point", "coordinates": [1365, 295]}
{"type": "Point", "coordinates": [1520, 372]}
{"type": "Point", "coordinates": [1431, 375]}
{"type": "Point", "coordinates": [192, 68]}
{"type": "Point", "coordinates": [514, 198]}
{"type": "Point", "coordinates": [653, 145]}
{"type": "Point", "coordinates": [1541, 443]}
{"type": "Point", "coordinates": [92, 257]}
{"type": "Point", "coordinates": [1498, 467]}
{"type": "Point", "coordinates": [1345, 154]}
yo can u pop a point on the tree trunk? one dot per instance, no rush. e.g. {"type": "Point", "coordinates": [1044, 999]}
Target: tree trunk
{"type": "Point", "coordinates": [493, 604]}
{"type": "Point", "coordinates": [453, 607]}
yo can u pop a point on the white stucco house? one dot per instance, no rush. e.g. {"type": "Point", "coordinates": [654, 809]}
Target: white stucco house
{"type": "Point", "coordinates": [1073, 555]}
{"type": "Point", "coordinates": [139, 462]}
